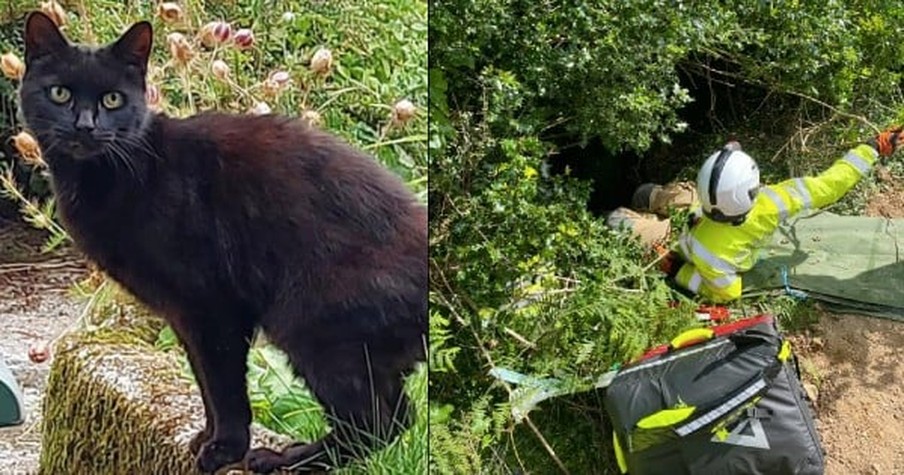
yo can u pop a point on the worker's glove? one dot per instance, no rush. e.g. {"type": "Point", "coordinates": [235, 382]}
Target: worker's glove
{"type": "Point", "coordinates": [888, 141]}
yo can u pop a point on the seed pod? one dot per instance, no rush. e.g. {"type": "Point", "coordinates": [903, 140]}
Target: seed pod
{"type": "Point", "coordinates": [322, 61]}
{"type": "Point", "coordinates": [220, 69]}
{"type": "Point", "coordinates": [28, 148]}
{"type": "Point", "coordinates": [403, 111]}
{"type": "Point", "coordinates": [55, 11]}
{"type": "Point", "coordinates": [280, 78]}
{"type": "Point", "coordinates": [243, 38]}
{"type": "Point", "coordinates": [179, 47]}
{"type": "Point", "coordinates": [261, 108]}
{"type": "Point", "coordinates": [170, 12]}
{"type": "Point", "coordinates": [12, 66]}
{"type": "Point", "coordinates": [312, 117]}
{"type": "Point", "coordinates": [215, 33]}
{"type": "Point", "coordinates": [38, 352]}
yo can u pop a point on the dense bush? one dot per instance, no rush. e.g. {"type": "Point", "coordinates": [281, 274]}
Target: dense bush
{"type": "Point", "coordinates": [609, 68]}
{"type": "Point", "coordinates": [523, 276]}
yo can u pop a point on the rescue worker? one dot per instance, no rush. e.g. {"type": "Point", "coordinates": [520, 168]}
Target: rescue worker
{"type": "Point", "coordinates": [735, 216]}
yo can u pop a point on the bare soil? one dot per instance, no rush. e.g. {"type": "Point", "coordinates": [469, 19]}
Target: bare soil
{"type": "Point", "coordinates": [853, 366]}
{"type": "Point", "coordinates": [889, 202]}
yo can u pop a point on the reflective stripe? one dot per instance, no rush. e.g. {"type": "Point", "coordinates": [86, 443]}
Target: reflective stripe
{"type": "Point", "coordinates": [725, 280]}
{"type": "Point", "coordinates": [804, 194]}
{"type": "Point", "coordinates": [860, 164]}
{"type": "Point", "coordinates": [682, 243]}
{"type": "Point", "coordinates": [703, 253]}
{"type": "Point", "coordinates": [691, 350]}
{"type": "Point", "coordinates": [723, 409]}
{"type": "Point", "coordinates": [694, 284]}
{"type": "Point", "coordinates": [779, 203]}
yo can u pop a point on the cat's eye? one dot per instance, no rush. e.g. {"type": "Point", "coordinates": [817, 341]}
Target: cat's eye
{"type": "Point", "coordinates": [60, 94]}
{"type": "Point", "coordinates": [113, 100]}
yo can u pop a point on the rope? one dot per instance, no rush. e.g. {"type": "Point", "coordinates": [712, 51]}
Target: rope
{"type": "Point", "coordinates": [797, 294]}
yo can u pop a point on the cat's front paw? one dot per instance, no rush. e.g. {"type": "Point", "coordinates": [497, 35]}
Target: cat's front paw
{"type": "Point", "coordinates": [198, 440]}
{"type": "Point", "coordinates": [263, 460]}
{"type": "Point", "coordinates": [307, 458]}
{"type": "Point", "coordinates": [217, 453]}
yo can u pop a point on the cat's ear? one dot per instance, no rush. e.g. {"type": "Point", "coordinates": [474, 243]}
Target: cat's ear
{"type": "Point", "coordinates": [42, 37]}
{"type": "Point", "coordinates": [134, 46]}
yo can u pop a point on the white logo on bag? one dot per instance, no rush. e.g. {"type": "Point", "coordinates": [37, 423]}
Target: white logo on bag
{"type": "Point", "coordinates": [756, 439]}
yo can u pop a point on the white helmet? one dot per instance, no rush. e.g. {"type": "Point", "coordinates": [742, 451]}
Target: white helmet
{"type": "Point", "coordinates": [727, 184]}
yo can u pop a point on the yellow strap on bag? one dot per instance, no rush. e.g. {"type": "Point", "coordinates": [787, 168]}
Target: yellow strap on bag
{"type": "Point", "coordinates": [694, 335]}
{"type": "Point", "coordinates": [619, 454]}
{"type": "Point", "coordinates": [666, 417]}
{"type": "Point", "coordinates": [785, 352]}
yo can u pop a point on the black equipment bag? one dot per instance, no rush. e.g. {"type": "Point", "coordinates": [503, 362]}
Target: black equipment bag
{"type": "Point", "coordinates": [720, 400]}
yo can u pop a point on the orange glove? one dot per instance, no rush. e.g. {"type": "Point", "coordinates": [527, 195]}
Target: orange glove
{"type": "Point", "coordinates": [888, 141]}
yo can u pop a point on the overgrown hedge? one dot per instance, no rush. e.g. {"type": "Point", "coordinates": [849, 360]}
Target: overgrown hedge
{"type": "Point", "coordinates": [522, 274]}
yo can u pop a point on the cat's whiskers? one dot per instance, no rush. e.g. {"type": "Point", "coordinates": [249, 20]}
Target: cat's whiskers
{"type": "Point", "coordinates": [119, 155]}
{"type": "Point", "coordinates": [141, 143]}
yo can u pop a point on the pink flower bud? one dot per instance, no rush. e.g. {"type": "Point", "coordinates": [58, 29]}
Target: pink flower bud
{"type": "Point", "coordinates": [215, 33]}
{"type": "Point", "coordinates": [280, 78]}
{"type": "Point", "coordinates": [277, 82]}
{"type": "Point", "coordinates": [38, 352]}
{"type": "Point", "coordinates": [220, 69]}
{"type": "Point", "coordinates": [243, 38]}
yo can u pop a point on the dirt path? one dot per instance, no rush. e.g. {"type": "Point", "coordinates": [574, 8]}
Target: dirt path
{"type": "Point", "coordinates": [34, 307]}
{"type": "Point", "coordinates": [853, 365]}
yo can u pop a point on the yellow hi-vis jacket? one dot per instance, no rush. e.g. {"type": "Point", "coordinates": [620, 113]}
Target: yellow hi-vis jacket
{"type": "Point", "coordinates": [715, 254]}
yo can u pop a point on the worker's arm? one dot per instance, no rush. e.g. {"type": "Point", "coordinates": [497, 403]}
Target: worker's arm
{"type": "Point", "coordinates": [832, 184]}
{"type": "Point", "coordinates": [817, 192]}
{"type": "Point", "coordinates": [713, 285]}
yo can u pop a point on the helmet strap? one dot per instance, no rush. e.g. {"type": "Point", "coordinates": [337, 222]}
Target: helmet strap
{"type": "Point", "coordinates": [739, 220]}
{"type": "Point", "coordinates": [717, 216]}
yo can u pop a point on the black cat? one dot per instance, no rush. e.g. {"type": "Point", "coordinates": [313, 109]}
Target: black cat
{"type": "Point", "coordinates": [228, 223]}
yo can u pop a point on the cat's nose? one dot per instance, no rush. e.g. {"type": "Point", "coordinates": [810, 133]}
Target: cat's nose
{"type": "Point", "coordinates": [85, 121]}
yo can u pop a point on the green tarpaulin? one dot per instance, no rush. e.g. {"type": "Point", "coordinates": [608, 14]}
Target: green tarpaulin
{"type": "Point", "coordinates": [10, 398]}
{"type": "Point", "coordinates": [852, 263]}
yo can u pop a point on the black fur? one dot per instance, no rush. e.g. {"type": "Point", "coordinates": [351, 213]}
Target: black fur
{"type": "Point", "coordinates": [228, 223]}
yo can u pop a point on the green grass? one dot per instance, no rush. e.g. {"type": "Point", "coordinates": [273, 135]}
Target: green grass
{"type": "Point", "coordinates": [281, 402]}
{"type": "Point", "coordinates": [379, 51]}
